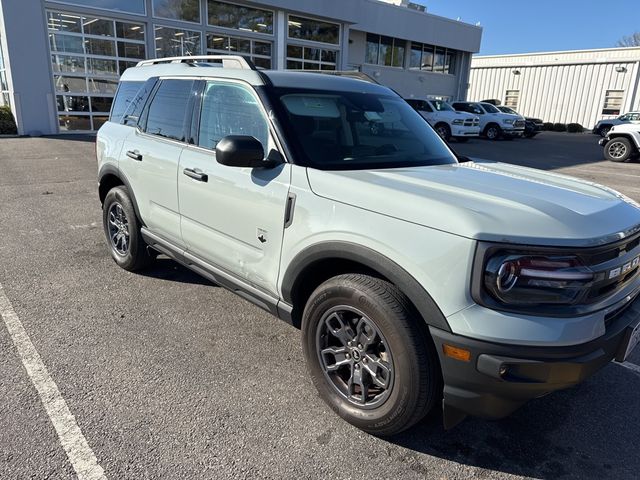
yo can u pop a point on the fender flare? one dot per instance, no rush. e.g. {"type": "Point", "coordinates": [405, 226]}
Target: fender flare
{"type": "Point", "coordinates": [416, 293]}
{"type": "Point", "coordinates": [109, 169]}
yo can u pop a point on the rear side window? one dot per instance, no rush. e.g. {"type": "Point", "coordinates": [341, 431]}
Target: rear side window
{"type": "Point", "coordinates": [126, 92]}
{"type": "Point", "coordinates": [167, 112]}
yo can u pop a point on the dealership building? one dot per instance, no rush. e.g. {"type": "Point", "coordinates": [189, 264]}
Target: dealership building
{"type": "Point", "coordinates": [60, 60]}
{"type": "Point", "coordinates": [580, 86]}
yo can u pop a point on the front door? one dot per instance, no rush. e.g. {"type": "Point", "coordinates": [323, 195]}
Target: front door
{"type": "Point", "coordinates": [232, 217]}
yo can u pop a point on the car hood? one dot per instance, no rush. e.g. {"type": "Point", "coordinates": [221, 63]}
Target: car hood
{"type": "Point", "coordinates": [488, 201]}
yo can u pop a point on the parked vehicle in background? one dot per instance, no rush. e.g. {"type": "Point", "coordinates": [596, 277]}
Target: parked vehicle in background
{"type": "Point", "coordinates": [494, 124]}
{"type": "Point", "coordinates": [532, 126]}
{"type": "Point", "coordinates": [603, 126]}
{"type": "Point", "coordinates": [418, 281]}
{"type": "Point", "coordinates": [622, 143]}
{"type": "Point", "coordinates": [446, 121]}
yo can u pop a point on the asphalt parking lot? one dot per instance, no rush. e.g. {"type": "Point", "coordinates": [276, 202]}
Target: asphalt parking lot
{"type": "Point", "coordinates": [169, 376]}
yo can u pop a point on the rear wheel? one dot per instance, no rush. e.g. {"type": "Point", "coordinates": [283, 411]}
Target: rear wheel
{"type": "Point", "coordinates": [122, 230]}
{"type": "Point", "coordinates": [367, 356]}
{"type": "Point", "coordinates": [619, 150]}
{"type": "Point", "coordinates": [604, 130]}
{"type": "Point", "coordinates": [493, 132]}
{"type": "Point", "coordinates": [444, 131]}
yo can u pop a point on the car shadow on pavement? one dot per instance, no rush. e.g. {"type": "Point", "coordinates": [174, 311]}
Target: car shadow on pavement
{"type": "Point", "coordinates": [589, 431]}
{"type": "Point", "coordinates": [166, 269]}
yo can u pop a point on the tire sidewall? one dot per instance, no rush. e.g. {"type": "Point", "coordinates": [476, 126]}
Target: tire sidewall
{"type": "Point", "coordinates": [497, 130]}
{"type": "Point", "coordinates": [121, 196]}
{"type": "Point", "coordinates": [405, 361]}
{"type": "Point", "coordinates": [627, 145]}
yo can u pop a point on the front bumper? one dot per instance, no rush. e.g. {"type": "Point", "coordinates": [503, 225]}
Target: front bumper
{"type": "Point", "coordinates": [512, 132]}
{"type": "Point", "coordinates": [603, 141]}
{"type": "Point", "coordinates": [500, 378]}
{"type": "Point", "coordinates": [462, 131]}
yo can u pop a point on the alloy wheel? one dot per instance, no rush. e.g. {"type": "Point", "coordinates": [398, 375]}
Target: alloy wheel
{"type": "Point", "coordinates": [118, 229]}
{"type": "Point", "coordinates": [617, 150]}
{"type": "Point", "coordinates": [354, 357]}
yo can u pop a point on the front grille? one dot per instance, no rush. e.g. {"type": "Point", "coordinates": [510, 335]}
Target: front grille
{"type": "Point", "coordinates": [471, 123]}
{"type": "Point", "coordinates": [616, 266]}
{"type": "Point", "coordinates": [519, 124]}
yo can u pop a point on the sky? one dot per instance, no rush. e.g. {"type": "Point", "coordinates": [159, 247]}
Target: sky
{"type": "Point", "coordinates": [519, 26]}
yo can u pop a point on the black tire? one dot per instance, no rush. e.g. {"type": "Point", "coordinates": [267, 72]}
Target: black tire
{"type": "Point", "coordinates": [414, 382]}
{"type": "Point", "coordinates": [462, 139]}
{"type": "Point", "coordinates": [493, 132]}
{"type": "Point", "coordinates": [443, 130]}
{"type": "Point", "coordinates": [603, 131]}
{"type": "Point", "coordinates": [619, 149]}
{"type": "Point", "coordinates": [135, 256]}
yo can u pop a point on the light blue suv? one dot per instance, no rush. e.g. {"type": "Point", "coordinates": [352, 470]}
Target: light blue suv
{"type": "Point", "coordinates": [415, 276]}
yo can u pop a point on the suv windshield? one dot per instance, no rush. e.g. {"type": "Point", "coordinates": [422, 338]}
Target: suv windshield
{"type": "Point", "coordinates": [334, 130]}
{"type": "Point", "coordinates": [490, 108]}
{"type": "Point", "coordinates": [441, 106]}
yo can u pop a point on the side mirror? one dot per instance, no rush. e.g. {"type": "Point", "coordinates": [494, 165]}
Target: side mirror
{"type": "Point", "coordinates": [241, 151]}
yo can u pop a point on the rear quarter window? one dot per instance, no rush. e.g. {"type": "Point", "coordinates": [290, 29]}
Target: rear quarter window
{"type": "Point", "coordinates": [125, 94]}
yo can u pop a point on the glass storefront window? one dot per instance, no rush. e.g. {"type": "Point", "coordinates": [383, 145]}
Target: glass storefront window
{"type": "Point", "coordinates": [130, 31]}
{"type": "Point", "coordinates": [311, 58]}
{"type": "Point", "coordinates": [175, 42]}
{"type": "Point", "coordinates": [239, 17]}
{"type": "Point", "coordinates": [259, 52]}
{"type": "Point", "coordinates": [314, 30]}
{"type": "Point", "coordinates": [185, 10]}
{"type": "Point", "coordinates": [95, 46]}
{"type": "Point", "coordinates": [98, 27]}
{"type": "Point", "coordinates": [67, 64]}
{"type": "Point", "coordinates": [131, 6]}
{"type": "Point", "coordinates": [66, 43]}
{"type": "Point", "coordinates": [432, 58]}
{"type": "Point", "coordinates": [88, 54]}
{"type": "Point", "coordinates": [64, 22]}
{"type": "Point", "coordinates": [384, 51]}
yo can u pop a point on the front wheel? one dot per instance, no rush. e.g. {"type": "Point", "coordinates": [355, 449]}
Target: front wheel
{"type": "Point", "coordinates": [367, 356]}
{"type": "Point", "coordinates": [444, 131]}
{"type": "Point", "coordinates": [493, 132]}
{"type": "Point", "coordinates": [618, 150]}
{"type": "Point", "coordinates": [122, 230]}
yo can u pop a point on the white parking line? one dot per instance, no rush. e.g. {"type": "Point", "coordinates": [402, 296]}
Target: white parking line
{"type": "Point", "coordinates": [631, 366]}
{"type": "Point", "coordinates": [80, 455]}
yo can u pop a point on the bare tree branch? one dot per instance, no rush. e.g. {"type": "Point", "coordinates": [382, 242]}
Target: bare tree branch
{"type": "Point", "coordinates": [632, 40]}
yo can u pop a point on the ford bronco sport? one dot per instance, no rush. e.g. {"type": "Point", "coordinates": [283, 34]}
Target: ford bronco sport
{"type": "Point", "coordinates": [417, 279]}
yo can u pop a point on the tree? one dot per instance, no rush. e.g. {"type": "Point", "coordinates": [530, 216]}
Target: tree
{"type": "Point", "coordinates": [632, 40]}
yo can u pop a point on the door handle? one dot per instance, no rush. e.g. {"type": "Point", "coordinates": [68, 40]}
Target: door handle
{"type": "Point", "coordinates": [196, 174]}
{"type": "Point", "coordinates": [134, 154]}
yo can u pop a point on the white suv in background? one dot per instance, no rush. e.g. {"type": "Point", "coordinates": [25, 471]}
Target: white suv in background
{"type": "Point", "coordinates": [445, 120]}
{"type": "Point", "coordinates": [494, 124]}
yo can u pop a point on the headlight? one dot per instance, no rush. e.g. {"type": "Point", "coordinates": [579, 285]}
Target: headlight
{"type": "Point", "coordinates": [522, 279]}
{"type": "Point", "coordinates": [508, 121]}
{"type": "Point", "coordinates": [458, 122]}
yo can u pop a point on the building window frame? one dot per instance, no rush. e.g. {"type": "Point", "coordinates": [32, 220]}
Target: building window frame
{"type": "Point", "coordinates": [252, 40]}
{"type": "Point", "coordinates": [512, 99]}
{"type": "Point", "coordinates": [319, 44]}
{"type": "Point", "coordinates": [610, 104]}
{"type": "Point", "coordinates": [303, 60]}
{"type": "Point", "coordinates": [103, 9]}
{"type": "Point", "coordinates": [84, 75]}
{"type": "Point", "coordinates": [155, 26]}
{"type": "Point", "coordinates": [393, 47]}
{"type": "Point", "coordinates": [190, 22]}
{"type": "Point", "coordinates": [449, 55]}
{"type": "Point", "coordinates": [247, 32]}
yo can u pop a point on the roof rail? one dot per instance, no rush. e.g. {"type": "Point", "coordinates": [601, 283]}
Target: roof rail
{"type": "Point", "coordinates": [358, 75]}
{"type": "Point", "coordinates": [228, 61]}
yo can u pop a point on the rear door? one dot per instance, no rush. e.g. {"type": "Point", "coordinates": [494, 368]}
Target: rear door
{"type": "Point", "coordinates": [151, 155]}
{"type": "Point", "coordinates": [233, 218]}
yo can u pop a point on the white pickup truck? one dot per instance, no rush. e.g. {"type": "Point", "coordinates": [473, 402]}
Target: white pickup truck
{"type": "Point", "coordinates": [622, 143]}
{"type": "Point", "coordinates": [445, 120]}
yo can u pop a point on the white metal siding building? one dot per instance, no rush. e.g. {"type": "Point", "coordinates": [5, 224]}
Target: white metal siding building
{"type": "Point", "coordinates": [574, 86]}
